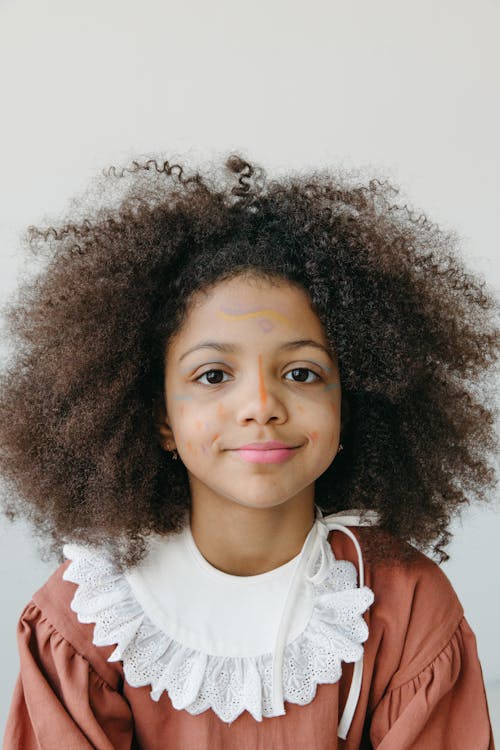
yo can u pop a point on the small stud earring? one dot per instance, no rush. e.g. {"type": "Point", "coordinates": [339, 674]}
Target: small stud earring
{"type": "Point", "coordinates": [175, 455]}
{"type": "Point", "coordinates": [341, 447]}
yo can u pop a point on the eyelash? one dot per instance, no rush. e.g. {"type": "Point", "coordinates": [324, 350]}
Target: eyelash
{"type": "Point", "coordinates": [218, 369]}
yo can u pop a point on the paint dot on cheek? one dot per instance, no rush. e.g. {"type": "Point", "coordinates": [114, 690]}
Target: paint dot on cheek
{"type": "Point", "coordinates": [314, 435]}
{"type": "Point", "coordinates": [197, 424]}
{"type": "Point", "coordinates": [220, 410]}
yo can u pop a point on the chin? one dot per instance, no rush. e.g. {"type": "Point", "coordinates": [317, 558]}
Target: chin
{"type": "Point", "coordinates": [259, 503]}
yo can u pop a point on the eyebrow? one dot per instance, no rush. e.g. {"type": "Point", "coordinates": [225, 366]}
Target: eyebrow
{"type": "Point", "coordinates": [230, 348]}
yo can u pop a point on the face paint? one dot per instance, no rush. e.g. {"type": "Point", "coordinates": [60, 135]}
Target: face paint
{"type": "Point", "coordinates": [262, 386]}
{"type": "Point", "coordinates": [314, 435]}
{"type": "Point", "coordinates": [256, 312]}
{"type": "Point", "coordinates": [266, 325]}
{"type": "Point", "coordinates": [329, 386]}
{"type": "Point", "coordinates": [321, 365]}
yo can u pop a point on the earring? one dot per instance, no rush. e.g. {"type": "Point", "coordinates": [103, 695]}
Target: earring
{"type": "Point", "coordinates": [341, 447]}
{"type": "Point", "coordinates": [173, 451]}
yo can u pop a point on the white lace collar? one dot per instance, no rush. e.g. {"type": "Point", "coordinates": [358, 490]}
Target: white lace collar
{"type": "Point", "coordinates": [311, 607]}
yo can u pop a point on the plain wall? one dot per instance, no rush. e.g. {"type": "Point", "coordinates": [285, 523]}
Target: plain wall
{"type": "Point", "coordinates": [405, 90]}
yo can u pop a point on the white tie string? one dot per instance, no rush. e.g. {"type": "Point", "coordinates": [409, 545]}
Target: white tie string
{"type": "Point", "coordinates": [316, 539]}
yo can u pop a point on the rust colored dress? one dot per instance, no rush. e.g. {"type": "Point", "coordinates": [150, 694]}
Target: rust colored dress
{"type": "Point", "coordinates": [422, 686]}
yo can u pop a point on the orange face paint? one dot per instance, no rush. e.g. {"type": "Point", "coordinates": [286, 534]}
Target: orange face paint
{"type": "Point", "coordinates": [314, 435]}
{"type": "Point", "coordinates": [220, 410]}
{"type": "Point", "coordinates": [262, 385]}
{"type": "Point", "coordinates": [197, 424]}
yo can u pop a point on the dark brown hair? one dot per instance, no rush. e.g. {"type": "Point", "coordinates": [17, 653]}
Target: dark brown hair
{"type": "Point", "coordinates": [415, 333]}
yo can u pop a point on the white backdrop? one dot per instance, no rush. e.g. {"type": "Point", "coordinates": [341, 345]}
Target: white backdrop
{"type": "Point", "coordinates": [408, 90]}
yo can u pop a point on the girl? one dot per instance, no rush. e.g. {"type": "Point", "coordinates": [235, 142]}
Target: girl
{"type": "Point", "coordinates": [246, 410]}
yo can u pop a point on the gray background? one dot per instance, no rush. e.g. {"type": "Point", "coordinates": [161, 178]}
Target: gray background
{"type": "Point", "coordinates": [407, 90]}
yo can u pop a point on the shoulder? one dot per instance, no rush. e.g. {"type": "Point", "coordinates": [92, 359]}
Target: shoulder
{"type": "Point", "coordinates": [53, 603]}
{"type": "Point", "coordinates": [415, 614]}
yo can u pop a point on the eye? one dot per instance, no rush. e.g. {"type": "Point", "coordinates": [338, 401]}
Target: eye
{"type": "Point", "coordinates": [211, 380]}
{"type": "Point", "coordinates": [300, 372]}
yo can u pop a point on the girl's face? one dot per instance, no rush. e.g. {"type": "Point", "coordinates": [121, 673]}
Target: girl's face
{"type": "Point", "coordinates": [251, 365]}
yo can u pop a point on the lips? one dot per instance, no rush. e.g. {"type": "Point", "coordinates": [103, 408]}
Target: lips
{"type": "Point", "coordinates": [268, 446]}
{"type": "Point", "coordinates": [271, 452]}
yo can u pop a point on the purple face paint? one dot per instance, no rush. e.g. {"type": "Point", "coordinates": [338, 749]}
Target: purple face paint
{"type": "Point", "coordinates": [264, 315]}
{"type": "Point", "coordinates": [266, 325]}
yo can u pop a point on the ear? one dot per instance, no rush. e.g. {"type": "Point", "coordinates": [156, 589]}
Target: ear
{"type": "Point", "coordinates": [163, 430]}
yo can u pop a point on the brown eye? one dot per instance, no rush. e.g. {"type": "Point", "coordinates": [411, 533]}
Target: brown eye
{"type": "Point", "coordinates": [300, 375]}
{"type": "Point", "coordinates": [213, 377]}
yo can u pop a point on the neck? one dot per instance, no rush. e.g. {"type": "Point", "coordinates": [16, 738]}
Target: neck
{"type": "Point", "coordinates": [244, 541]}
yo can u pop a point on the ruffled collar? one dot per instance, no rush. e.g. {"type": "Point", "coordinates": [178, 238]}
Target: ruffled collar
{"type": "Point", "coordinates": [154, 654]}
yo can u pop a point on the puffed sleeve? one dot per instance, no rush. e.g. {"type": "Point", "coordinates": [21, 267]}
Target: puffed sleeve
{"type": "Point", "coordinates": [443, 707]}
{"type": "Point", "coordinates": [59, 699]}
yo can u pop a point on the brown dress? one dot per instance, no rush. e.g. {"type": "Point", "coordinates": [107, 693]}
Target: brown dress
{"type": "Point", "coordinates": [422, 683]}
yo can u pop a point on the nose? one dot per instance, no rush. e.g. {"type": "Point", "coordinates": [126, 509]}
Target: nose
{"type": "Point", "coordinates": [262, 402]}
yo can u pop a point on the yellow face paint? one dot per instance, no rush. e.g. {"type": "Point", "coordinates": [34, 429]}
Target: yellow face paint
{"type": "Point", "coordinates": [265, 316]}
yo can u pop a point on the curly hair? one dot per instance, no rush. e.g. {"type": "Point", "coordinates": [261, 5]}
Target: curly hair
{"type": "Point", "coordinates": [415, 332]}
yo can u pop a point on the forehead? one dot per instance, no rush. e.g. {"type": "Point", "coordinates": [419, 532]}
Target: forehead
{"type": "Point", "coordinates": [244, 302]}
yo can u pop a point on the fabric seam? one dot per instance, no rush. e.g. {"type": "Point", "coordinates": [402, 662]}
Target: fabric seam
{"type": "Point", "coordinates": [438, 653]}
{"type": "Point", "coordinates": [66, 640]}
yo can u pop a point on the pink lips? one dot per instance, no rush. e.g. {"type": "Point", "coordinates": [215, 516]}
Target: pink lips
{"type": "Point", "coordinates": [272, 452]}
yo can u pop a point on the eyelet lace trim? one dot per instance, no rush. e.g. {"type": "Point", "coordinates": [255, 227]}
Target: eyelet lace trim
{"type": "Point", "coordinates": [195, 680]}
